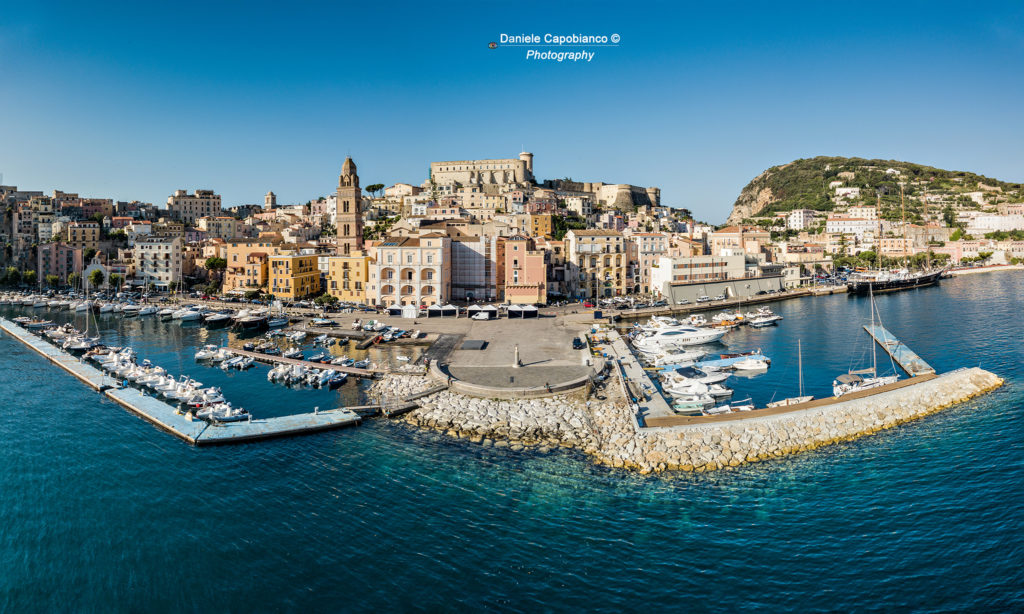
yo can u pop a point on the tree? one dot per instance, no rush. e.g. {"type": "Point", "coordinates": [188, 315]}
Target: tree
{"type": "Point", "coordinates": [252, 295]}
{"type": "Point", "coordinates": [52, 280]}
{"type": "Point", "coordinates": [89, 253]}
{"type": "Point", "coordinates": [373, 188]}
{"type": "Point", "coordinates": [214, 263]}
{"type": "Point", "coordinates": [73, 279]}
{"type": "Point", "coordinates": [96, 278]}
{"type": "Point", "coordinates": [13, 277]}
{"type": "Point", "coordinates": [173, 286]}
{"type": "Point", "coordinates": [325, 299]}
{"type": "Point", "coordinates": [949, 216]}
{"type": "Point", "coordinates": [29, 277]}
{"type": "Point", "coordinates": [116, 279]}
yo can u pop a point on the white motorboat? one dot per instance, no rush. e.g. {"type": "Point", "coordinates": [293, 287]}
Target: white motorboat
{"type": "Point", "coordinates": [277, 322]}
{"type": "Point", "coordinates": [751, 364]}
{"type": "Point", "coordinates": [190, 315]}
{"type": "Point", "coordinates": [130, 311]}
{"type": "Point", "coordinates": [230, 362]}
{"type": "Point", "coordinates": [685, 357]}
{"type": "Point", "coordinates": [217, 319]}
{"type": "Point", "coordinates": [661, 341]}
{"type": "Point", "coordinates": [223, 412]}
{"type": "Point", "coordinates": [765, 320]}
{"type": "Point", "coordinates": [148, 311]}
{"type": "Point", "coordinates": [221, 355]}
{"type": "Point", "coordinates": [278, 373]}
{"type": "Point", "coordinates": [685, 374]}
{"type": "Point", "coordinates": [245, 363]}
{"type": "Point", "coordinates": [106, 308]}
{"type": "Point", "coordinates": [207, 352]}
{"type": "Point", "coordinates": [166, 313]}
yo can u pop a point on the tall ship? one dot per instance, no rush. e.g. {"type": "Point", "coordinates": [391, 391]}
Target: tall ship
{"type": "Point", "coordinates": [881, 280]}
{"type": "Point", "coordinates": [862, 283]}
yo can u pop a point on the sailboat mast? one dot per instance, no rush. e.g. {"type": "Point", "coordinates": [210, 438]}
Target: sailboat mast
{"type": "Point", "coordinates": [874, 360]}
{"type": "Point", "coordinates": [903, 214]}
{"type": "Point", "coordinates": [800, 365]}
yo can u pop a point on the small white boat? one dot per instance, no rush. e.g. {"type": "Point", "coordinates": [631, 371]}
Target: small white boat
{"type": "Point", "coordinates": [148, 311]}
{"type": "Point", "coordinates": [207, 352]}
{"type": "Point", "coordinates": [751, 364]}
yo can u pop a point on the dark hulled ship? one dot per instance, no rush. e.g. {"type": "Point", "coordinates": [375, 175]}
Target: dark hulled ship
{"type": "Point", "coordinates": [883, 281]}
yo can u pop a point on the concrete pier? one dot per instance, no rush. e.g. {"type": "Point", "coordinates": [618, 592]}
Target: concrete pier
{"type": "Point", "coordinates": [166, 417]}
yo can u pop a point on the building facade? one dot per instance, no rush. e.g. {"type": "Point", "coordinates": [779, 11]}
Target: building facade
{"type": "Point", "coordinates": [413, 270]}
{"type": "Point", "coordinates": [597, 263]}
{"type": "Point", "coordinates": [158, 261]}
{"type": "Point", "coordinates": [188, 208]}
{"type": "Point", "coordinates": [293, 276]}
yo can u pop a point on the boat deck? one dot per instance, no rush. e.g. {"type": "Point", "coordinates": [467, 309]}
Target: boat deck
{"type": "Point", "coordinates": [909, 361]}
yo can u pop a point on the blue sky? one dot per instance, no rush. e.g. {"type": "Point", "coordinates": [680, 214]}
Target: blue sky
{"type": "Point", "coordinates": [133, 101]}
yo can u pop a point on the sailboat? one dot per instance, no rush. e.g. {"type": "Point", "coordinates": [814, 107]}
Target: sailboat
{"type": "Point", "coordinates": [279, 320]}
{"type": "Point", "coordinates": [855, 381]}
{"type": "Point", "coordinates": [800, 367]}
{"type": "Point", "coordinates": [82, 342]}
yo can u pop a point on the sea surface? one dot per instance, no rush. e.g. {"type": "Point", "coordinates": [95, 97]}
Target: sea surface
{"type": "Point", "coordinates": [101, 512]}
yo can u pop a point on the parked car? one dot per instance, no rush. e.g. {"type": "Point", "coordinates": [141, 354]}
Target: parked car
{"type": "Point", "coordinates": [703, 299]}
{"type": "Point", "coordinates": [588, 305]}
{"type": "Point", "coordinates": [577, 344]}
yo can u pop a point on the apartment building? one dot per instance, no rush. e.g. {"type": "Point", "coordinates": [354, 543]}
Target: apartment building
{"type": "Point", "coordinates": [83, 234]}
{"type": "Point", "coordinates": [294, 276]}
{"type": "Point", "coordinates": [348, 277]}
{"type": "Point", "coordinates": [597, 263]}
{"type": "Point", "coordinates": [190, 207]}
{"type": "Point", "coordinates": [524, 270]}
{"type": "Point", "coordinates": [158, 261]}
{"type": "Point", "coordinates": [412, 270]}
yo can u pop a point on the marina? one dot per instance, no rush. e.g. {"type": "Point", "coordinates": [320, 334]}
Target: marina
{"type": "Point", "coordinates": [168, 418]}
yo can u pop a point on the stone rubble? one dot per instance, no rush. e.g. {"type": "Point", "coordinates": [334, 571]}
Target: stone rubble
{"type": "Point", "coordinates": [605, 428]}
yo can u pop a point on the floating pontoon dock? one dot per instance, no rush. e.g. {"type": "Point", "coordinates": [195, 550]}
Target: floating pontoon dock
{"type": "Point", "coordinates": [167, 418]}
{"type": "Point", "coordinates": [903, 355]}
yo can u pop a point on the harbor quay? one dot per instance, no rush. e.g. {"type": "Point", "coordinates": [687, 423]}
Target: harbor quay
{"type": "Point", "coordinates": [563, 381]}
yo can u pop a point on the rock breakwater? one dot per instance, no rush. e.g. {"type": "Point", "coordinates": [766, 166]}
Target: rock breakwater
{"type": "Point", "coordinates": [606, 428]}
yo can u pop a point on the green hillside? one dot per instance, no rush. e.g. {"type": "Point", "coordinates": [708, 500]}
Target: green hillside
{"type": "Point", "coordinates": [804, 184]}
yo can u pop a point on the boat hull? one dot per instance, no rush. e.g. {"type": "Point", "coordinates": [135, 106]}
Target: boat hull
{"type": "Point", "coordinates": [863, 288]}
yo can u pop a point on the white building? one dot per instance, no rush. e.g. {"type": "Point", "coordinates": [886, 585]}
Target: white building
{"type": "Point", "coordinates": [694, 269]}
{"type": "Point", "coordinates": [864, 212]}
{"type": "Point", "coordinates": [848, 193]}
{"type": "Point", "coordinates": [801, 219]}
{"type": "Point", "coordinates": [850, 226]}
{"type": "Point", "coordinates": [158, 261]}
{"type": "Point", "coordinates": [981, 224]}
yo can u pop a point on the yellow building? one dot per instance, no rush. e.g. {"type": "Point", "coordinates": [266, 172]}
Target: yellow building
{"type": "Point", "coordinates": [348, 277]}
{"type": "Point", "coordinates": [294, 276]}
{"type": "Point", "coordinates": [540, 225]}
{"type": "Point", "coordinates": [247, 264]}
{"type": "Point", "coordinates": [83, 234]}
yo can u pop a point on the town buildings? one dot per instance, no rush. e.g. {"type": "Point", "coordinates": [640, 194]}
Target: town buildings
{"type": "Point", "coordinates": [413, 270]}
{"type": "Point", "coordinates": [349, 211]}
{"type": "Point", "coordinates": [293, 276]}
{"type": "Point", "coordinates": [158, 261]}
{"type": "Point", "coordinates": [188, 208]}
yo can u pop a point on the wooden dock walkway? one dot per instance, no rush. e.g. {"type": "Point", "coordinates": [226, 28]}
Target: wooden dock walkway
{"type": "Point", "coordinates": [166, 416]}
{"type": "Point", "coordinates": [306, 363]}
{"type": "Point", "coordinates": [909, 361]}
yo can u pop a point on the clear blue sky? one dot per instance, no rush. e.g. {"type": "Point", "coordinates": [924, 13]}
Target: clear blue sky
{"type": "Point", "coordinates": [133, 100]}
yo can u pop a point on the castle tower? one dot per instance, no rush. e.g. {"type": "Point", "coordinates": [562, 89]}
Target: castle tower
{"type": "Point", "coordinates": [528, 158]}
{"type": "Point", "coordinates": [349, 218]}
{"type": "Point", "coordinates": [270, 200]}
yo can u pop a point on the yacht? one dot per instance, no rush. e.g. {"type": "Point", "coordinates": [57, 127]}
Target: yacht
{"type": "Point", "coordinates": [148, 311]}
{"type": "Point", "coordinates": [217, 319]}
{"type": "Point", "coordinates": [130, 311]}
{"type": "Point", "coordinates": [656, 342]}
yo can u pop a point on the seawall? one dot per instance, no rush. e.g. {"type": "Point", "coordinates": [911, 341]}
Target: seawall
{"type": "Point", "coordinates": [606, 428]}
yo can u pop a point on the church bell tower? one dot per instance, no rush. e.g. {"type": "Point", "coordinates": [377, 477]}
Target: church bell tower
{"type": "Point", "coordinates": [349, 214]}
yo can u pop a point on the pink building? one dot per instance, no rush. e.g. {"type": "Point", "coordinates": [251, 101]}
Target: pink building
{"type": "Point", "coordinates": [58, 259]}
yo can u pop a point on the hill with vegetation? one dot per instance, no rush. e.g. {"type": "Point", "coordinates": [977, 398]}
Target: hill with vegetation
{"type": "Point", "coordinates": [805, 184]}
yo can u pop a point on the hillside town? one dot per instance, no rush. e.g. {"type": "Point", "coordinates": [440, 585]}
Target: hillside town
{"type": "Point", "coordinates": [483, 230]}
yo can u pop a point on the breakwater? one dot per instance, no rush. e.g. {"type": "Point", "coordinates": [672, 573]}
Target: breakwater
{"type": "Point", "coordinates": [606, 428]}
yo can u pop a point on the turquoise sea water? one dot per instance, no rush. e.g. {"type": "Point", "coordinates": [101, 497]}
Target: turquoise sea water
{"type": "Point", "coordinates": [99, 511]}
